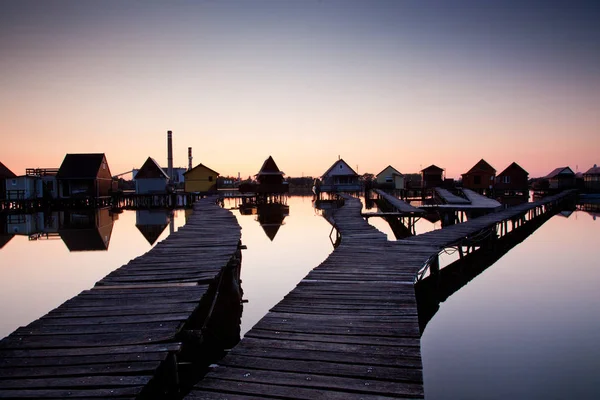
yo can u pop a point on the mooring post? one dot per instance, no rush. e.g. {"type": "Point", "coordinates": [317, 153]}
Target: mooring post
{"type": "Point", "coordinates": [434, 265]}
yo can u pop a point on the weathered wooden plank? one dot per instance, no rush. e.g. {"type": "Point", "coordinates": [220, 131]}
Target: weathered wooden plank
{"type": "Point", "coordinates": [74, 393]}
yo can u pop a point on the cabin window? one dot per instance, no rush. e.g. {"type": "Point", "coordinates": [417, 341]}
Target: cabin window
{"type": "Point", "coordinates": [210, 178]}
{"type": "Point", "coordinates": [14, 182]}
{"type": "Point", "coordinates": [50, 186]}
{"type": "Point", "coordinates": [388, 179]}
{"type": "Point", "coordinates": [506, 179]}
{"type": "Point", "coordinates": [477, 180]}
{"type": "Point", "coordinates": [341, 166]}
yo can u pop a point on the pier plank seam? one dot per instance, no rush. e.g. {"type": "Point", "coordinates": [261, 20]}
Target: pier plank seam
{"type": "Point", "coordinates": [115, 339]}
{"type": "Point", "coordinates": [349, 329]}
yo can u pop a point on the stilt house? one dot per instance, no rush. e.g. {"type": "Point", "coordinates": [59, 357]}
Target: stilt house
{"type": "Point", "coordinates": [561, 178]}
{"type": "Point", "coordinates": [151, 178]}
{"type": "Point", "coordinates": [270, 178]}
{"type": "Point", "coordinates": [481, 178]}
{"type": "Point", "coordinates": [390, 178]}
{"type": "Point", "coordinates": [432, 176]}
{"type": "Point", "coordinates": [6, 176]}
{"type": "Point", "coordinates": [591, 179]}
{"type": "Point", "coordinates": [340, 177]}
{"type": "Point", "coordinates": [84, 175]}
{"type": "Point", "coordinates": [200, 179]}
{"type": "Point", "coordinates": [513, 181]}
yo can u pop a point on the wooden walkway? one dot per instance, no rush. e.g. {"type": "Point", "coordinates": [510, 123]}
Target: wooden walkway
{"type": "Point", "coordinates": [450, 198]}
{"type": "Point", "coordinates": [350, 329]}
{"type": "Point", "coordinates": [121, 338]}
{"type": "Point", "coordinates": [480, 201]}
{"type": "Point", "coordinates": [456, 234]}
{"type": "Point", "coordinates": [400, 205]}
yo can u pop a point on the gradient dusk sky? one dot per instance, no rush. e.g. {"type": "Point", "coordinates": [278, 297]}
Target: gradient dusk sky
{"type": "Point", "coordinates": [406, 83]}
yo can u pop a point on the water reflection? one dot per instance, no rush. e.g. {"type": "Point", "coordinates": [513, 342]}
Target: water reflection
{"type": "Point", "coordinates": [38, 271]}
{"type": "Point", "coordinates": [524, 329]}
{"type": "Point", "coordinates": [271, 216]}
{"type": "Point", "coordinates": [152, 223]}
{"type": "Point", "coordinates": [437, 287]}
{"type": "Point", "coordinates": [272, 268]}
{"type": "Point", "coordinates": [87, 230]}
{"type": "Point", "coordinates": [80, 230]}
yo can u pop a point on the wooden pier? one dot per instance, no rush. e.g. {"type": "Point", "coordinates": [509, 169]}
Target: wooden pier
{"type": "Point", "coordinates": [400, 205]}
{"type": "Point", "coordinates": [350, 329]}
{"type": "Point", "coordinates": [122, 339]}
{"type": "Point", "coordinates": [449, 197]}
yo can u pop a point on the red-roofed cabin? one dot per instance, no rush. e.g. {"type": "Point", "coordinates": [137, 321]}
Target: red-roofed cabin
{"type": "Point", "coordinates": [84, 175]}
{"type": "Point", "coordinates": [561, 178]}
{"type": "Point", "coordinates": [514, 180]}
{"type": "Point", "coordinates": [480, 178]}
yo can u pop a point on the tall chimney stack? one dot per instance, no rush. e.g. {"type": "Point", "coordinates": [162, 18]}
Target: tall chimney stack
{"type": "Point", "coordinates": [189, 158]}
{"type": "Point", "coordinates": [170, 155]}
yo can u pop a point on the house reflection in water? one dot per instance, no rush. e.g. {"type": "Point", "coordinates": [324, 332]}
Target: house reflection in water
{"type": "Point", "coordinates": [79, 230]}
{"type": "Point", "coordinates": [36, 225]}
{"type": "Point", "coordinates": [86, 230]}
{"type": "Point", "coordinates": [152, 223]}
{"type": "Point", "coordinates": [270, 216]}
{"type": "Point", "coordinates": [5, 237]}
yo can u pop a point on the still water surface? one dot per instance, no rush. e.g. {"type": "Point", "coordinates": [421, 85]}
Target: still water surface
{"type": "Point", "coordinates": [526, 328]}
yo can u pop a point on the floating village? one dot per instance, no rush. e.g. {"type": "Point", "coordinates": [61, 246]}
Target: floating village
{"type": "Point", "coordinates": [166, 324]}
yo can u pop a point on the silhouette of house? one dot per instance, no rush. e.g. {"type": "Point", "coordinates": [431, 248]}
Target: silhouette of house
{"type": "Point", "coordinates": [5, 179]}
{"type": "Point", "coordinates": [271, 216]}
{"type": "Point", "coordinates": [151, 178]}
{"type": "Point", "coordinates": [481, 178]}
{"type": "Point", "coordinates": [270, 178]}
{"type": "Point", "coordinates": [340, 177]}
{"type": "Point", "coordinates": [88, 230]}
{"type": "Point", "coordinates": [514, 180]}
{"type": "Point", "coordinates": [561, 178]}
{"type": "Point", "coordinates": [84, 175]}
{"type": "Point", "coordinates": [591, 179]}
{"type": "Point", "coordinates": [391, 178]}
{"type": "Point", "coordinates": [432, 176]}
{"type": "Point", "coordinates": [152, 223]}
{"type": "Point", "coordinates": [200, 179]}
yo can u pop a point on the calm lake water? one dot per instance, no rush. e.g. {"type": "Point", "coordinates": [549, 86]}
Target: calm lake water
{"type": "Point", "coordinates": [526, 328]}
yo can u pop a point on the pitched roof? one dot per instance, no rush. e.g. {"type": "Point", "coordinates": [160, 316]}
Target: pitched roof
{"type": "Point", "coordinates": [151, 170]}
{"type": "Point", "coordinates": [341, 160]}
{"type": "Point", "coordinates": [89, 239]}
{"type": "Point", "coordinates": [557, 171]}
{"type": "Point", "coordinates": [270, 217]}
{"type": "Point", "coordinates": [514, 165]}
{"type": "Point", "coordinates": [432, 168]}
{"type": "Point", "coordinates": [482, 165]}
{"type": "Point", "coordinates": [394, 171]}
{"type": "Point", "coordinates": [269, 167]}
{"type": "Point", "coordinates": [151, 232]}
{"type": "Point", "coordinates": [5, 172]}
{"type": "Point", "coordinates": [80, 166]}
{"type": "Point", "coordinates": [200, 166]}
{"type": "Point", "coordinates": [595, 170]}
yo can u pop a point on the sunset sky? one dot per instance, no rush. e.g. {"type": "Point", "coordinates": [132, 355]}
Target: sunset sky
{"type": "Point", "coordinates": [406, 83]}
